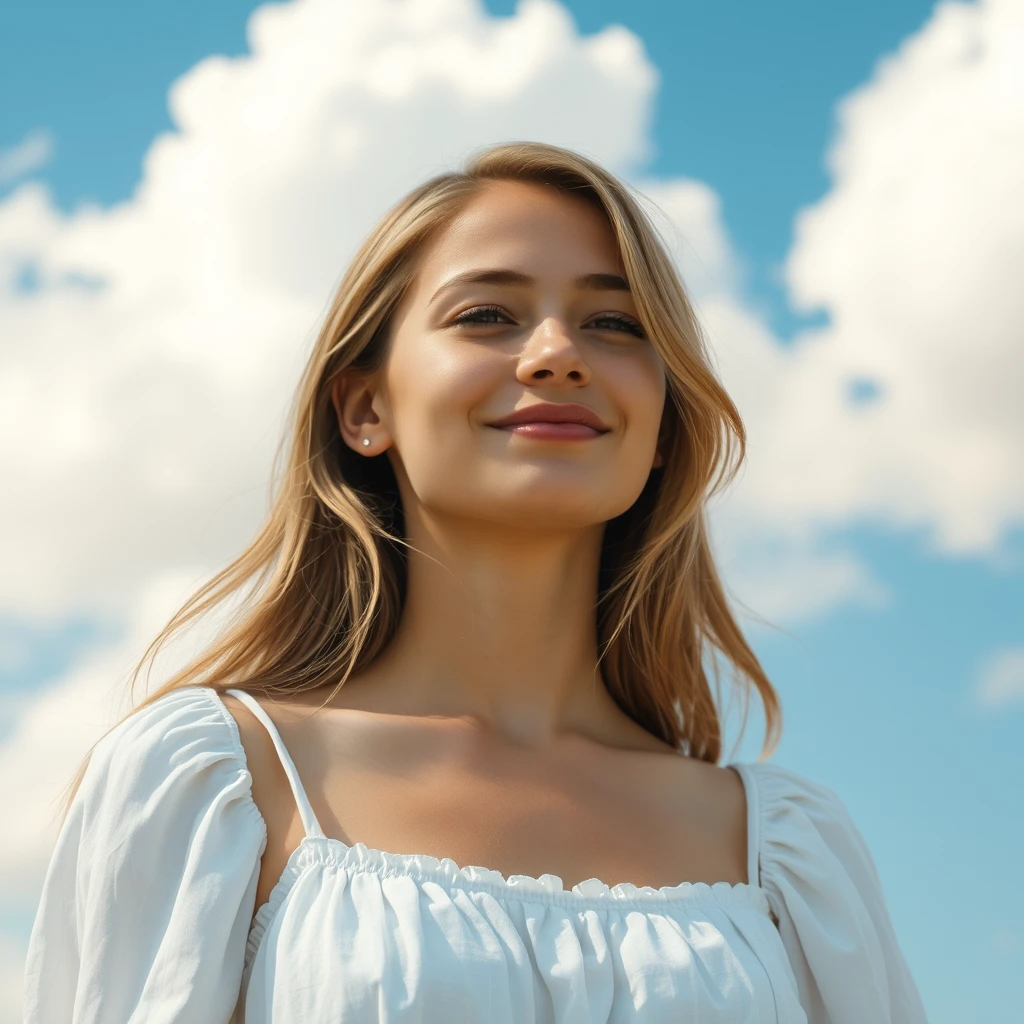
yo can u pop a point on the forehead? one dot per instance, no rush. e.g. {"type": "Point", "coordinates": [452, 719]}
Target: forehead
{"type": "Point", "coordinates": [535, 229]}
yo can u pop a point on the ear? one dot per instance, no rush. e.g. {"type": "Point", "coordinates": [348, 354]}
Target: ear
{"type": "Point", "coordinates": [353, 396]}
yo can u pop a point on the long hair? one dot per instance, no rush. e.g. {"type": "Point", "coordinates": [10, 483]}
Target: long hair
{"type": "Point", "coordinates": [322, 585]}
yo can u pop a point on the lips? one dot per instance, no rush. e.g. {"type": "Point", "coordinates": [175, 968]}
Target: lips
{"type": "Point", "coordinates": [568, 413]}
{"type": "Point", "coordinates": [552, 431]}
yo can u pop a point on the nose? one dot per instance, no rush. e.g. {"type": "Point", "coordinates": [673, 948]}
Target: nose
{"type": "Point", "coordinates": [550, 353]}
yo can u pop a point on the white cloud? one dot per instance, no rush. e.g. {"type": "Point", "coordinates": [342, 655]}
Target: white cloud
{"type": "Point", "coordinates": [33, 152]}
{"type": "Point", "coordinates": [1001, 679]}
{"type": "Point", "coordinates": [916, 254]}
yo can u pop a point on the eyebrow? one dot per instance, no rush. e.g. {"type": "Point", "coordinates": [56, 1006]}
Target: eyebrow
{"type": "Point", "coordinates": [587, 282]}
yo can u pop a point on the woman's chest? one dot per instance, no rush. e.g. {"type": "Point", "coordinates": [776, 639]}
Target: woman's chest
{"type": "Point", "coordinates": [654, 820]}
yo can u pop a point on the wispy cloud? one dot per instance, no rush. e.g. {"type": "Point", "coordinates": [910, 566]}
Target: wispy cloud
{"type": "Point", "coordinates": [33, 152]}
{"type": "Point", "coordinates": [1000, 679]}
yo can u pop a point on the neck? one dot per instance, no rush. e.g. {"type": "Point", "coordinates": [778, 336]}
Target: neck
{"type": "Point", "coordinates": [499, 626]}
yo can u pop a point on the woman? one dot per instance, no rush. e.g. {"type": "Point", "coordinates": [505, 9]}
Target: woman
{"type": "Point", "coordinates": [476, 631]}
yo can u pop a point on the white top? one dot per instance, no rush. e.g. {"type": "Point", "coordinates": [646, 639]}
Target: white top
{"type": "Point", "coordinates": [145, 913]}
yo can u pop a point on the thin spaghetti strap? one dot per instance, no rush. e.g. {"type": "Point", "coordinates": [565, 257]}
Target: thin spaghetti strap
{"type": "Point", "coordinates": [309, 822]}
{"type": "Point", "coordinates": [749, 780]}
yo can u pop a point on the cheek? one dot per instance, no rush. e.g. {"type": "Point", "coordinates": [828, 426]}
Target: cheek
{"type": "Point", "coordinates": [434, 389]}
{"type": "Point", "coordinates": [435, 398]}
{"type": "Point", "coordinates": [637, 387]}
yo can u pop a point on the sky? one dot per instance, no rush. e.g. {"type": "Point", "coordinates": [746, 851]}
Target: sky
{"type": "Point", "coordinates": [181, 185]}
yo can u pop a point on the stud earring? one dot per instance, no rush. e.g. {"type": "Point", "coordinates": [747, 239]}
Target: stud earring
{"type": "Point", "coordinates": [366, 442]}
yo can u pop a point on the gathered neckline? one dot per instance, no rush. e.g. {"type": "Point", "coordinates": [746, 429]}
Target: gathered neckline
{"type": "Point", "coordinates": [591, 894]}
{"type": "Point", "coordinates": [426, 867]}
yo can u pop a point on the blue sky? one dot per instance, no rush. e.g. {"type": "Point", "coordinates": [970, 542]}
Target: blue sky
{"type": "Point", "coordinates": [746, 100]}
{"type": "Point", "coordinates": [880, 699]}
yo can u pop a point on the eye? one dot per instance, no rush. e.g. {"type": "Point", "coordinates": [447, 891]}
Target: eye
{"type": "Point", "coordinates": [482, 315]}
{"type": "Point", "coordinates": [618, 322]}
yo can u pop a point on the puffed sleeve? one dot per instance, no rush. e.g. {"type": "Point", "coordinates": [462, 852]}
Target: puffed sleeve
{"type": "Point", "coordinates": [823, 887]}
{"type": "Point", "coordinates": [151, 888]}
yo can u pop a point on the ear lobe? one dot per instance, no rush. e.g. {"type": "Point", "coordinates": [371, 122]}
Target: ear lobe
{"type": "Point", "coordinates": [352, 400]}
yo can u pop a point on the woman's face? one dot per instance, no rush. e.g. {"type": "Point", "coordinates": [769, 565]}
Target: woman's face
{"type": "Point", "coordinates": [519, 301]}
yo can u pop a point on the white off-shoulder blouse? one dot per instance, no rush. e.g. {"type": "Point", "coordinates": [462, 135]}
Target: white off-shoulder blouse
{"type": "Point", "coordinates": [148, 900]}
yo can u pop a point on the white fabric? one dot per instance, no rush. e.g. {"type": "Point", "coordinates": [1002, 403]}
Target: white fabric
{"type": "Point", "coordinates": [146, 909]}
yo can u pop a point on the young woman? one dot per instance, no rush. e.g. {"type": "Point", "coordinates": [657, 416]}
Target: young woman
{"type": "Point", "coordinates": [477, 629]}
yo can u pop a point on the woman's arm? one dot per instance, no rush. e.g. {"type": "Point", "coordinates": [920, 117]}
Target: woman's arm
{"type": "Point", "coordinates": [149, 894]}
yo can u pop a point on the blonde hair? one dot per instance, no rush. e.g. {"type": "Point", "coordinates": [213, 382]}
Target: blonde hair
{"type": "Point", "coordinates": [324, 578]}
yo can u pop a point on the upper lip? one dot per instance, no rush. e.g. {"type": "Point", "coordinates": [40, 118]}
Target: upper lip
{"type": "Point", "coordinates": [548, 412]}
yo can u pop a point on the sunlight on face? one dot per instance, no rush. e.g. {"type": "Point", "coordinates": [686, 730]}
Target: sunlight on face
{"type": "Point", "coordinates": [520, 301]}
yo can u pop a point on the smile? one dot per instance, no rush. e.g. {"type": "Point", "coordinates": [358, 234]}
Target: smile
{"type": "Point", "coordinates": [543, 431]}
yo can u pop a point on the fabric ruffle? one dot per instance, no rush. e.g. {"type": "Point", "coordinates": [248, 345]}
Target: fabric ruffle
{"type": "Point", "coordinates": [422, 867]}
{"type": "Point", "coordinates": [371, 929]}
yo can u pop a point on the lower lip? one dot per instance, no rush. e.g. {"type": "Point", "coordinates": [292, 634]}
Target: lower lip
{"type": "Point", "coordinates": [553, 431]}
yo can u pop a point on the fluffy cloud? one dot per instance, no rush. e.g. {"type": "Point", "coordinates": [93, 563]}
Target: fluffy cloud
{"type": "Point", "coordinates": [916, 253]}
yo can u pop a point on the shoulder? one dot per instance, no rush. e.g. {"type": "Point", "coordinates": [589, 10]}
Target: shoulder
{"type": "Point", "coordinates": [812, 861]}
{"type": "Point", "coordinates": [270, 788]}
{"type": "Point", "coordinates": [178, 727]}
{"type": "Point", "coordinates": [256, 744]}
{"type": "Point", "coordinates": [827, 900]}
{"type": "Point", "coordinates": [774, 783]}
{"type": "Point", "coordinates": [154, 872]}
{"type": "Point", "coordinates": [174, 753]}
{"type": "Point", "coordinates": [799, 822]}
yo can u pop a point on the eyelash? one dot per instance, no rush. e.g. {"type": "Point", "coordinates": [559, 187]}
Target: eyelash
{"type": "Point", "coordinates": [472, 316]}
